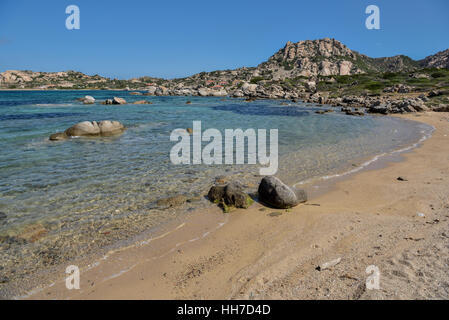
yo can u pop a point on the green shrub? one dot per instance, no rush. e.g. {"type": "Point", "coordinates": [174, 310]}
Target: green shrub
{"type": "Point", "coordinates": [343, 79]}
{"type": "Point", "coordinates": [256, 79]}
{"type": "Point", "coordinates": [389, 75]}
{"type": "Point", "coordinates": [373, 85]}
{"type": "Point", "coordinates": [438, 74]}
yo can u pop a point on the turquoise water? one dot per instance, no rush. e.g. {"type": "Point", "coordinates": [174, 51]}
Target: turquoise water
{"type": "Point", "coordinates": [73, 190]}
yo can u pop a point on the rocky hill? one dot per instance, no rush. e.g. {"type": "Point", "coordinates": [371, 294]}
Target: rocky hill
{"type": "Point", "coordinates": [16, 79]}
{"type": "Point", "coordinates": [47, 80]}
{"type": "Point", "coordinates": [306, 60]}
{"type": "Point", "coordinates": [327, 57]}
{"type": "Point", "coordinates": [439, 60]}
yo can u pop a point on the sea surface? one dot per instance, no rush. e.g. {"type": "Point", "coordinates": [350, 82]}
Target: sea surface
{"type": "Point", "coordinates": [60, 200]}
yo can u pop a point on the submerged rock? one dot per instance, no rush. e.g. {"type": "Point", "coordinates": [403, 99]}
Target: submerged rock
{"type": "Point", "coordinates": [323, 111]}
{"type": "Point", "coordinates": [142, 102]}
{"type": "Point", "coordinates": [58, 136]}
{"type": "Point", "coordinates": [275, 193]}
{"type": "Point", "coordinates": [33, 232]}
{"type": "Point", "coordinates": [170, 202]}
{"type": "Point", "coordinates": [355, 113]}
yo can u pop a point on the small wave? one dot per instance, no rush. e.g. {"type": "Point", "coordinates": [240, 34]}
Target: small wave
{"type": "Point", "coordinates": [53, 105]}
{"type": "Point", "coordinates": [148, 125]}
{"type": "Point", "coordinates": [31, 116]}
{"type": "Point", "coordinates": [372, 160]}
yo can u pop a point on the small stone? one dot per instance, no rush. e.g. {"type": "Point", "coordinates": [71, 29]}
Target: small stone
{"type": "Point", "coordinates": [4, 280]}
{"type": "Point", "coordinates": [275, 214]}
{"type": "Point", "coordinates": [328, 264]}
{"type": "Point", "coordinates": [33, 232]}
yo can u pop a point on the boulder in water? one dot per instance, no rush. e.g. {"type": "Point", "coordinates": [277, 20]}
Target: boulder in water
{"type": "Point", "coordinates": [108, 127]}
{"type": "Point", "coordinates": [116, 100]}
{"type": "Point", "coordinates": [86, 128]}
{"type": "Point", "coordinates": [87, 100]}
{"type": "Point", "coordinates": [90, 129]}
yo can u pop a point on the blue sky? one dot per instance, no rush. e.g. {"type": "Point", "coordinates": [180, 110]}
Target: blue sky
{"type": "Point", "coordinates": [126, 39]}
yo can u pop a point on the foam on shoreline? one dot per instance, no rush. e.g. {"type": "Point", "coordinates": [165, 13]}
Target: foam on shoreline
{"type": "Point", "coordinates": [370, 161]}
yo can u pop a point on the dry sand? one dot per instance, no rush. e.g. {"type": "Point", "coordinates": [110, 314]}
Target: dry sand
{"type": "Point", "coordinates": [368, 218]}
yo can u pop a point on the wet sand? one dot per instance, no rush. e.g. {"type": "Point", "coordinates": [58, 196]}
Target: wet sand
{"type": "Point", "coordinates": [367, 218]}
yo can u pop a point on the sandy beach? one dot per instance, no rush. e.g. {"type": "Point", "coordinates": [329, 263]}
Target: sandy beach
{"type": "Point", "coordinates": [367, 218]}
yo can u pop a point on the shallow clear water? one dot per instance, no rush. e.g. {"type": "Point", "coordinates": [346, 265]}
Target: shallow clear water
{"type": "Point", "coordinates": [75, 188]}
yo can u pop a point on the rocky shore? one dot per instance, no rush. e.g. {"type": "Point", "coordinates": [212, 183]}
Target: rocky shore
{"type": "Point", "coordinates": [391, 102]}
{"type": "Point", "coordinates": [322, 71]}
{"type": "Point", "coordinates": [396, 99]}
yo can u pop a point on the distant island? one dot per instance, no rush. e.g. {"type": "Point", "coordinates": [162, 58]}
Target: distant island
{"type": "Point", "coordinates": [321, 71]}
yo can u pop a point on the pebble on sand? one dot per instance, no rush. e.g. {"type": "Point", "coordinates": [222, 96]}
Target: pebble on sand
{"type": "Point", "coordinates": [328, 264]}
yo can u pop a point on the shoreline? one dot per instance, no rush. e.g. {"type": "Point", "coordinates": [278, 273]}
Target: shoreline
{"type": "Point", "coordinates": [377, 161]}
{"type": "Point", "coordinates": [354, 105]}
{"type": "Point", "coordinates": [197, 250]}
{"type": "Point", "coordinates": [30, 277]}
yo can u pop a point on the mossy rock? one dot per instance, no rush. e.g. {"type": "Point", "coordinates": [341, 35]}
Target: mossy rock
{"type": "Point", "coordinates": [230, 196]}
